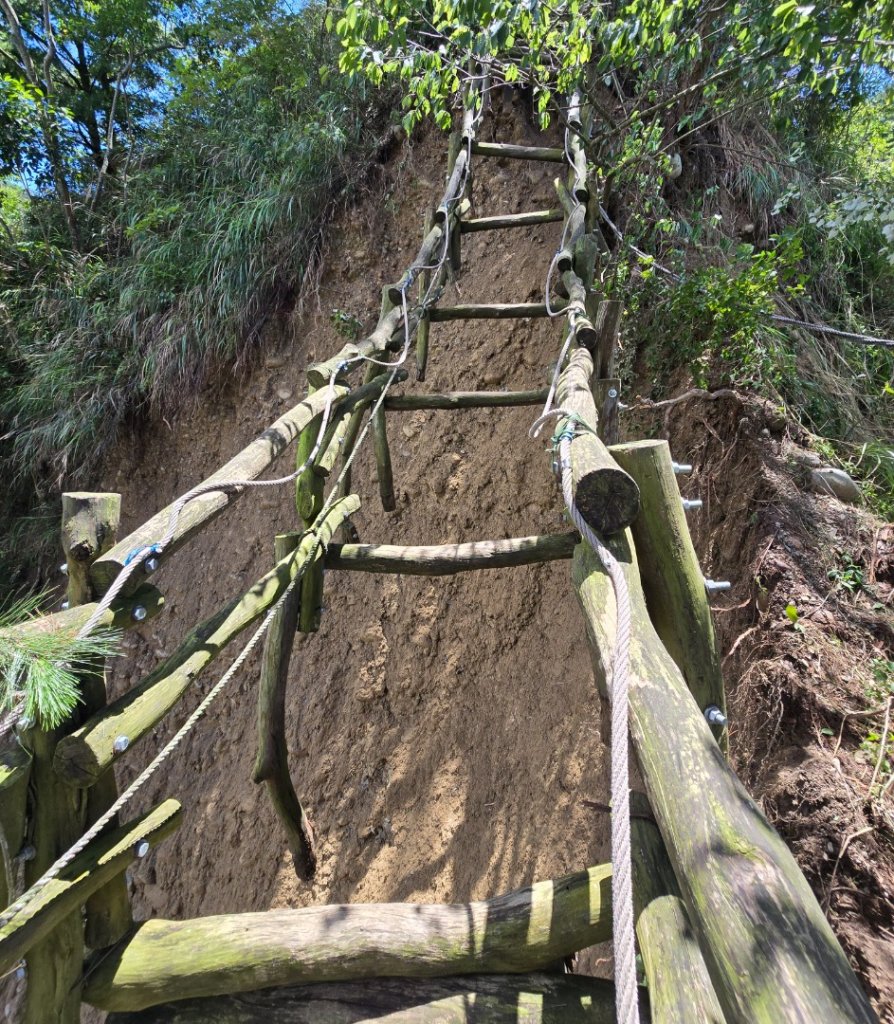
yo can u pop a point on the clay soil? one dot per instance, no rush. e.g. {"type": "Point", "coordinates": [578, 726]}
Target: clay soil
{"type": "Point", "coordinates": [446, 733]}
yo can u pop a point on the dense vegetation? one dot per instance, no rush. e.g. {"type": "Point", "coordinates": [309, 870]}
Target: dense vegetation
{"type": "Point", "coordinates": [166, 169]}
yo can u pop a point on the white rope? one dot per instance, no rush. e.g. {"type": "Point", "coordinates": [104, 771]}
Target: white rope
{"type": "Point", "coordinates": [626, 997]}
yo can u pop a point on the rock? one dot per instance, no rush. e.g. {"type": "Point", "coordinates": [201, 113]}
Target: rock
{"type": "Point", "coordinates": [830, 480]}
{"type": "Point", "coordinates": [274, 362]}
{"type": "Point", "coordinates": [284, 393]}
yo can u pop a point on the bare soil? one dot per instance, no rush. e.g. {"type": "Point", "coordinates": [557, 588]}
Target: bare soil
{"type": "Point", "coordinates": [446, 733]}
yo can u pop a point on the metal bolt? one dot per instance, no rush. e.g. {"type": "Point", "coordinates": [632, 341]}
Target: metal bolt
{"type": "Point", "coordinates": [139, 613]}
{"type": "Point", "coordinates": [121, 744]}
{"type": "Point", "coordinates": [25, 723]}
{"type": "Point", "coordinates": [150, 565]}
{"type": "Point", "coordinates": [713, 586]}
{"type": "Point", "coordinates": [612, 392]}
{"type": "Point", "coordinates": [27, 853]}
{"type": "Point", "coordinates": [65, 606]}
{"type": "Point", "coordinates": [681, 468]}
{"type": "Point", "coordinates": [691, 503]}
{"type": "Point", "coordinates": [21, 971]}
{"type": "Point", "coordinates": [141, 848]}
{"type": "Point", "coordinates": [64, 568]}
{"type": "Point", "coordinates": [715, 716]}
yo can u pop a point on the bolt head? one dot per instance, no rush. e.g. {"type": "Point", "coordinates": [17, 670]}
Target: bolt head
{"type": "Point", "coordinates": [121, 744]}
{"type": "Point", "coordinates": [27, 852]}
{"type": "Point", "coordinates": [141, 848]}
{"type": "Point", "coordinates": [150, 565]}
{"type": "Point", "coordinates": [139, 613]}
{"type": "Point", "coordinates": [65, 606]}
{"type": "Point", "coordinates": [64, 568]}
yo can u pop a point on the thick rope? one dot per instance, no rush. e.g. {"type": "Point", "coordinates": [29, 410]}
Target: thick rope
{"type": "Point", "coordinates": [626, 997]}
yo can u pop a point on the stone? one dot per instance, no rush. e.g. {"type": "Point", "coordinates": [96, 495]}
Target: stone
{"type": "Point", "coordinates": [830, 480]}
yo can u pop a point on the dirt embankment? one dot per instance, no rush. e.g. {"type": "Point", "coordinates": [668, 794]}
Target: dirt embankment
{"type": "Point", "coordinates": [446, 733]}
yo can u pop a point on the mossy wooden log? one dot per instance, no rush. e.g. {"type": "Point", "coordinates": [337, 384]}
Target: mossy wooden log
{"type": "Point", "coordinates": [513, 152]}
{"type": "Point", "coordinates": [464, 400]}
{"type": "Point", "coordinates": [478, 999]}
{"type": "Point", "coordinates": [578, 175]}
{"type": "Point", "coordinates": [84, 755]}
{"type": "Point", "coordinates": [384, 473]}
{"type": "Point", "coordinates": [680, 988]}
{"type": "Point", "coordinates": [576, 226]}
{"type": "Point", "coordinates": [607, 398]}
{"type": "Point", "coordinates": [272, 762]}
{"type": "Point", "coordinates": [453, 191]}
{"type": "Point", "coordinates": [520, 931]}
{"type": "Point", "coordinates": [381, 340]}
{"type": "Point", "coordinates": [607, 323]}
{"type": "Point", "coordinates": [61, 898]}
{"type": "Point", "coordinates": [247, 465]}
{"type": "Point", "coordinates": [89, 528]}
{"type": "Point", "coordinates": [308, 488]}
{"type": "Point", "coordinates": [423, 327]}
{"type": "Point", "coordinates": [447, 559]}
{"type": "Point", "coordinates": [771, 953]}
{"type": "Point", "coordinates": [605, 495]}
{"type": "Point", "coordinates": [15, 770]}
{"type": "Point", "coordinates": [672, 578]}
{"type": "Point", "coordinates": [119, 615]}
{"type": "Point", "coordinates": [510, 220]}
{"type": "Point", "coordinates": [490, 311]}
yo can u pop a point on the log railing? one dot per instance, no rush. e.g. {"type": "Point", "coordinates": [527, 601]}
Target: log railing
{"type": "Point", "coordinates": [728, 928]}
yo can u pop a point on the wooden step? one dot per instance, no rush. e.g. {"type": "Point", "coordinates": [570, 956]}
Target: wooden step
{"type": "Point", "coordinates": [464, 400]}
{"type": "Point", "coordinates": [513, 152]}
{"type": "Point", "coordinates": [493, 311]}
{"type": "Point", "coordinates": [512, 220]}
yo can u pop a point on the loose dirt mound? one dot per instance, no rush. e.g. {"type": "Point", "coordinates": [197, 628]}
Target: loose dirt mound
{"type": "Point", "coordinates": [446, 733]}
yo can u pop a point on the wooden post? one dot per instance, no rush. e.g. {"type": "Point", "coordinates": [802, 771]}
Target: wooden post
{"type": "Point", "coordinates": [520, 931]}
{"type": "Point", "coordinates": [383, 459]}
{"type": "Point", "coordinates": [671, 575]}
{"type": "Point", "coordinates": [513, 152]}
{"type": "Point", "coordinates": [15, 771]}
{"type": "Point", "coordinates": [89, 751]}
{"type": "Point", "coordinates": [59, 814]}
{"type": "Point", "coordinates": [770, 950]}
{"type": "Point", "coordinates": [272, 763]}
{"type": "Point", "coordinates": [680, 989]}
{"type": "Point", "coordinates": [490, 998]}
{"type": "Point", "coordinates": [424, 326]}
{"type": "Point", "coordinates": [608, 319]}
{"type": "Point", "coordinates": [61, 898]}
{"type": "Point", "coordinates": [606, 395]}
{"type": "Point", "coordinates": [605, 495]}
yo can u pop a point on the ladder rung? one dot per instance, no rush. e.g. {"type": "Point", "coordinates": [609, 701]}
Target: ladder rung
{"type": "Point", "coordinates": [464, 400]}
{"type": "Point", "coordinates": [508, 149]}
{"type": "Point", "coordinates": [495, 311]}
{"type": "Point", "coordinates": [513, 220]}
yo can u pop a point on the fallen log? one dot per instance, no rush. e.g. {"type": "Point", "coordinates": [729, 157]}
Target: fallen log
{"type": "Point", "coordinates": [511, 220]}
{"type": "Point", "coordinates": [513, 152]}
{"type": "Point", "coordinates": [464, 400]}
{"type": "Point", "coordinates": [520, 931]}
{"type": "Point", "coordinates": [484, 999]}
{"type": "Point", "coordinates": [490, 311]}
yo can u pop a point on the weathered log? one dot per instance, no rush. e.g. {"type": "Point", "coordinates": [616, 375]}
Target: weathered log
{"type": "Point", "coordinates": [60, 898]}
{"type": "Point", "coordinates": [452, 193]}
{"type": "Point", "coordinates": [578, 176]}
{"type": "Point", "coordinates": [308, 486]}
{"type": "Point", "coordinates": [381, 340]}
{"type": "Point", "coordinates": [520, 931]}
{"type": "Point", "coordinates": [423, 327]}
{"type": "Point", "coordinates": [429, 254]}
{"type": "Point", "coordinates": [680, 989]}
{"type": "Point", "coordinates": [464, 400]}
{"type": "Point", "coordinates": [272, 763]}
{"type": "Point", "coordinates": [510, 220]}
{"type": "Point", "coordinates": [604, 494]}
{"type": "Point", "coordinates": [507, 149]}
{"type": "Point", "coordinates": [481, 999]}
{"type": "Point", "coordinates": [15, 770]}
{"type": "Point", "coordinates": [384, 473]}
{"type": "Point", "coordinates": [247, 465]}
{"type": "Point", "coordinates": [84, 755]}
{"type": "Point", "coordinates": [608, 319]}
{"type": "Point", "coordinates": [770, 951]}
{"type": "Point", "coordinates": [490, 311]}
{"type": "Point", "coordinates": [119, 615]}
{"type": "Point", "coordinates": [672, 578]}
{"type": "Point", "coordinates": [576, 226]}
{"type": "Point", "coordinates": [447, 559]}
{"type": "Point", "coordinates": [607, 398]}
{"type": "Point", "coordinates": [89, 528]}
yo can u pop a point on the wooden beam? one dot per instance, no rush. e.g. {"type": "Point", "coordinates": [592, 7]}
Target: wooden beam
{"type": "Point", "coordinates": [511, 220]}
{"type": "Point", "coordinates": [247, 465]}
{"type": "Point", "coordinates": [15, 770]}
{"type": "Point", "coordinates": [272, 763]}
{"type": "Point", "coordinates": [481, 999]}
{"type": "Point", "coordinates": [672, 578]}
{"type": "Point", "coordinates": [507, 149]}
{"type": "Point", "coordinates": [105, 858]}
{"type": "Point", "coordinates": [606, 496]}
{"type": "Point", "coordinates": [82, 757]}
{"type": "Point", "coordinates": [119, 615]}
{"type": "Point", "coordinates": [770, 951]}
{"type": "Point", "coordinates": [464, 400]}
{"type": "Point", "coordinates": [384, 474]}
{"type": "Point", "coordinates": [447, 559]}
{"type": "Point", "coordinates": [490, 311]}
{"type": "Point", "coordinates": [423, 327]}
{"type": "Point", "coordinates": [521, 931]}
{"type": "Point", "coordinates": [607, 399]}
{"type": "Point", "coordinates": [607, 326]}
